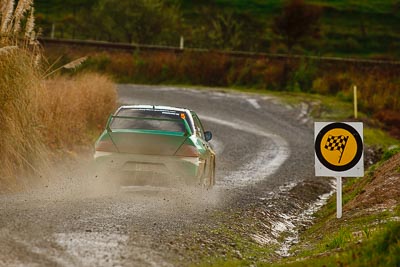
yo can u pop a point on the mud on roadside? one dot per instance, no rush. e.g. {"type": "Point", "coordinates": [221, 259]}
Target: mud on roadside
{"type": "Point", "coordinates": [255, 227]}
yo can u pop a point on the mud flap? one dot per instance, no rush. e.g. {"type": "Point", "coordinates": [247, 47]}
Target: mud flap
{"type": "Point", "coordinates": [208, 179]}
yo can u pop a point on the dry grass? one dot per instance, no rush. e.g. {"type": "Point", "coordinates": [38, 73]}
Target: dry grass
{"type": "Point", "coordinates": [17, 21]}
{"type": "Point", "coordinates": [41, 118]}
{"type": "Point", "coordinates": [20, 137]}
{"type": "Point", "coordinates": [74, 109]}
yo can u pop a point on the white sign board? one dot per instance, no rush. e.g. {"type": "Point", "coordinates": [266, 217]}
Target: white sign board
{"type": "Point", "coordinates": [339, 149]}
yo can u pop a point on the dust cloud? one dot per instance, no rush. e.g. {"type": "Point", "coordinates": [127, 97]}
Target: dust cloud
{"type": "Point", "coordinates": [80, 180]}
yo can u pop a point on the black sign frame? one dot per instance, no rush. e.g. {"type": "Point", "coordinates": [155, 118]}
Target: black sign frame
{"type": "Point", "coordinates": [351, 130]}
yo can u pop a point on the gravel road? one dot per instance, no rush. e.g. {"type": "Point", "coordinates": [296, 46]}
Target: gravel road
{"type": "Point", "coordinates": [264, 156]}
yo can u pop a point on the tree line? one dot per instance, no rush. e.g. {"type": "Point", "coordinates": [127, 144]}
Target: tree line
{"type": "Point", "coordinates": [164, 22]}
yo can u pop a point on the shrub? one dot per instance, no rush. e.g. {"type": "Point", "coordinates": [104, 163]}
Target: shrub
{"type": "Point", "coordinates": [302, 77]}
{"type": "Point", "coordinates": [275, 75]}
{"type": "Point", "coordinates": [390, 119]}
{"type": "Point", "coordinates": [333, 82]}
{"type": "Point", "coordinates": [98, 63]}
{"type": "Point", "coordinates": [75, 109]}
{"type": "Point", "coordinates": [320, 86]}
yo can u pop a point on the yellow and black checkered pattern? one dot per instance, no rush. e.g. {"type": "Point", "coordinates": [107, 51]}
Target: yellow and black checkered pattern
{"type": "Point", "coordinates": [336, 143]}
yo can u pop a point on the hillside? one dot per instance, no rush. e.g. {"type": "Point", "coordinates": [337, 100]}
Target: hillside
{"type": "Point", "coordinates": [348, 28]}
{"type": "Point", "coordinates": [368, 233]}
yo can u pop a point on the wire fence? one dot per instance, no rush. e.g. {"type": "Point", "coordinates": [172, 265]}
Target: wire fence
{"type": "Point", "coordinates": [241, 54]}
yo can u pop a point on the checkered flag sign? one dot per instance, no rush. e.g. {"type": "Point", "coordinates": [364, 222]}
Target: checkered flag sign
{"type": "Point", "coordinates": [336, 143]}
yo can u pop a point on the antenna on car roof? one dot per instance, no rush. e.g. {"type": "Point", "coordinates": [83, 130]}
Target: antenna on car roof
{"type": "Point", "coordinates": [154, 107]}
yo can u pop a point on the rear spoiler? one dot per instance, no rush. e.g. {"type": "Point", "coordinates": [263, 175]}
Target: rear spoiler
{"type": "Point", "coordinates": [108, 128]}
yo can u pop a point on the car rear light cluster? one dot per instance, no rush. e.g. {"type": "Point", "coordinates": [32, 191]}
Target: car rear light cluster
{"type": "Point", "coordinates": [105, 146]}
{"type": "Point", "coordinates": [187, 151]}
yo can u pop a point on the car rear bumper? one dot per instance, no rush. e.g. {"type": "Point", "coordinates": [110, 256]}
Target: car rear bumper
{"type": "Point", "coordinates": [149, 166]}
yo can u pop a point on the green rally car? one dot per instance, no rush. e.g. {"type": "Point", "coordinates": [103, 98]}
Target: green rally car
{"type": "Point", "coordinates": [155, 145]}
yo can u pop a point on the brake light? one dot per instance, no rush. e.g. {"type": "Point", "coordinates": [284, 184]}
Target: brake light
{"type": "Point", "coordinates": [187, 151]}
{"type": "Point", "coordinates": [106, 146]}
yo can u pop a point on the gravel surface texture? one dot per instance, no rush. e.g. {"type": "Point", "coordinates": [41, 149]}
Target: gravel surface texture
{"type": "Point", "coordinates": [265, 192]}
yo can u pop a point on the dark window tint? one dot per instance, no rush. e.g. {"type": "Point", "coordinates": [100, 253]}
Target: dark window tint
{"type": "Point", "coordinates": [149, 120]}
{"type": "Point", "coordinates": [198, 126]}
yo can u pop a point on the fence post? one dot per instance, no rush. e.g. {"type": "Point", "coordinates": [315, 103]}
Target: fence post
{"type": "Point", "coordinates": [53, 29]}
{"type": "Point", "coordinates": [181, 44]}
{"type": "Point", "coordinates": [355, 101]}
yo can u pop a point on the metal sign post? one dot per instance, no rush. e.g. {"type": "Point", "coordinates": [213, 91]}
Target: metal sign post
{"type": "Point", "coordinates": [339, 153]}
{"type": "Point", "coordinates": [338, 197]}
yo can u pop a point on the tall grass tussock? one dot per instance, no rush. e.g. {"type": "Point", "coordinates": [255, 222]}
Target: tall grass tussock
{"type": "Point", "coordinates": [75, 109]}
{"type": "Point", "coordinates": [40, 116]}
{"type": "Point", "coordinates": [20, 137]}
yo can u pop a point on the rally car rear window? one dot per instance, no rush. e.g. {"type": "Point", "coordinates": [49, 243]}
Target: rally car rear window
{"type": "Point", "coordinates": [132, 120]}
